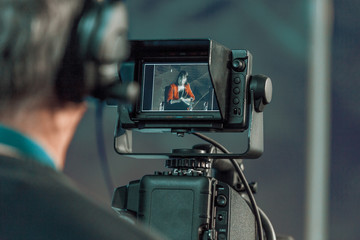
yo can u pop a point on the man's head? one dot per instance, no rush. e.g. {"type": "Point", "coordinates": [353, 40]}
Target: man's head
{"type": "Point", "coordinates": [40, 61]}
{"type": "Point", "coordinates": [33, 37]}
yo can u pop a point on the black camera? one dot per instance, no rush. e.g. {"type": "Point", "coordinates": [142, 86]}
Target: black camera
{"type": "Point", "coordinates": [187, 202]}
{"type": "Point", "coordinates": [187, 87]}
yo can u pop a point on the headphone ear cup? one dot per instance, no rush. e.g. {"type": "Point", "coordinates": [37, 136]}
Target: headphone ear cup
{"type": "Point", "coordinates": [71, 83]}
{"type": "Point", "coordinates": [83, 52]}
{"type": "Point", "coordinates": [91, 30]}
{"type": "Point", "coordinates": [86, 29]}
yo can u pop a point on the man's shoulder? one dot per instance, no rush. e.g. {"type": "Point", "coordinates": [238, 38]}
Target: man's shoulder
{"type": "Point", "coordinates": [48, 206]}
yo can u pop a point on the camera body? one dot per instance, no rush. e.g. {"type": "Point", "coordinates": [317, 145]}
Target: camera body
{"type": "Point", "coordinates": [187, 207]}
{"type": "Point", "coordinates": [203, 196]}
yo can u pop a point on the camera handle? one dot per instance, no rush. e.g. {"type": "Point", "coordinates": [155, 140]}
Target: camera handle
{"type": "Point", "coordinates": [260, 95]}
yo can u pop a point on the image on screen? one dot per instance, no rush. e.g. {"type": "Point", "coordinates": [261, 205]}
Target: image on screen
{"type": "Point", "coordinates": [177, 87]}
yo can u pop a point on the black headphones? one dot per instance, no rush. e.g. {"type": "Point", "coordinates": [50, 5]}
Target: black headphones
{"type": "Point", "coordinates": [87, 35]}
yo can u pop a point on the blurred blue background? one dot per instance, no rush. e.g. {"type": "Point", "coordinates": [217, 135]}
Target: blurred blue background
{"type": "Point", "coordinates": [277, 33]}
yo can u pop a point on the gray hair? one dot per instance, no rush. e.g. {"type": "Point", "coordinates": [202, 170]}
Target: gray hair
{"type": "Point", "coordinates": [33, 36]}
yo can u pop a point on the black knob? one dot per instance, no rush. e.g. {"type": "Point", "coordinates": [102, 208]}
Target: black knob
{"type": "Point", "coordinates": [261, 86]}
{"type": "Point", "coordinates": [221, 200]}
{"type": "Point", "coordinates": [238, 65]}
{"type": "Point", "coordinates": [222, 236]}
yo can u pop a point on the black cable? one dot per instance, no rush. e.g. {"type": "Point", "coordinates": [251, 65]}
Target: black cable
{"type": "Point", "coordinates": [266, 223]}
{"type": "Point", "coordinates": [101, 146]}
{"type": "Point", "coordinates": [255, 208]}
{"type": "Point", "coordinates": [268, 227]}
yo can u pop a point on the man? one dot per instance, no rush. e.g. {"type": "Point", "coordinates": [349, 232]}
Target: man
{"type": "Point", "coordinates": [38, 120]}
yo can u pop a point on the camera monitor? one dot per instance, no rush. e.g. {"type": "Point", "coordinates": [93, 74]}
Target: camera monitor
{"type": "Point", "coordinates": [186, 84]}
{"type": "Point", "coordinates": [189, 86]}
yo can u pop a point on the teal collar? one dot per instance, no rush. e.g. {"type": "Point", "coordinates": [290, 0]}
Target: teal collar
{"type": "Point", "coordinates": [24, 145]}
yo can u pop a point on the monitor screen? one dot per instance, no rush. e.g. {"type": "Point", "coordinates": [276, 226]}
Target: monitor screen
{"type": "Point", "coordinates": [177, 87]}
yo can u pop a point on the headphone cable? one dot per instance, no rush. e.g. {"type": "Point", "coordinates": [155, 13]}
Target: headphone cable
{"type": "Point", "coordinates": [101, 147]}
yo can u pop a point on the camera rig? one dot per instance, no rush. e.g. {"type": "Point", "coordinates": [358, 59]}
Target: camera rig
{"type": "Point", "coordinates": [236, 97]}
{"type": "Point", "coordinates": [204, 195]}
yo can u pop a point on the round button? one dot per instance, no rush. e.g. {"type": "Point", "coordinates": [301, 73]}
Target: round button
{"type": "Point", "coordinates": [236, 90]}
{"type": "Point", "coordinates": [236, 100]}
{"type": "Point", "coordinates": [222, 236]}
{"type": "Point", "coordinates": [238, 65]}
{"type": "Point", "coordinates": [237, 80]}
{"type": "Point", "coordinates": [221, 200]}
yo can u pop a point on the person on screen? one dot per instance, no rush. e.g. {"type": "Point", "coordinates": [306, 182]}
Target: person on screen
{"type": "Point", "coordinates": [180, 96]}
